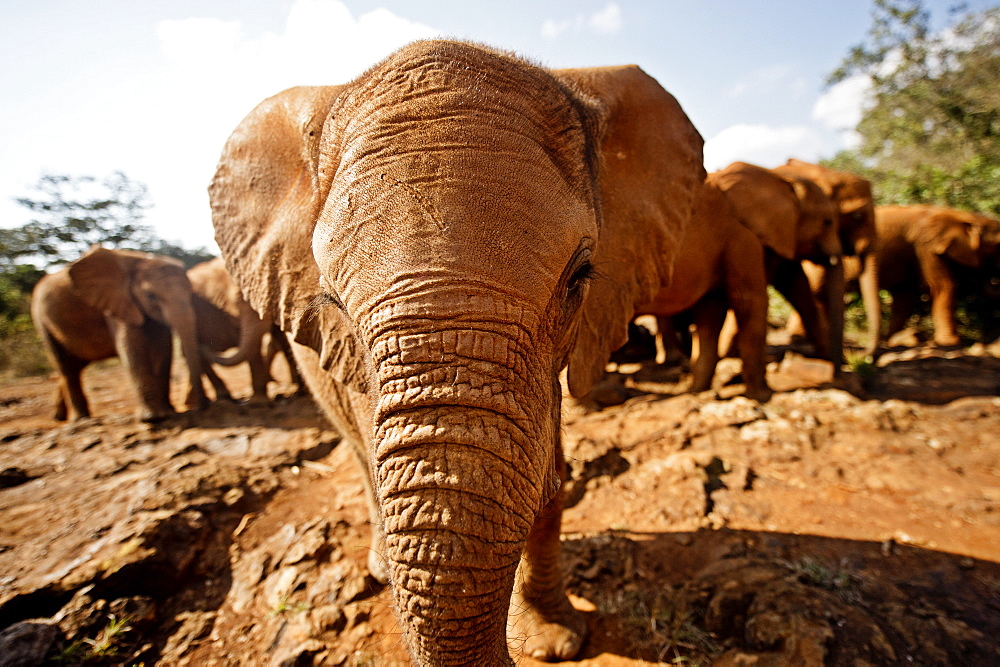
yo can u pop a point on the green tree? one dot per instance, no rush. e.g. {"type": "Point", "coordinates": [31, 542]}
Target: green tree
{"type": "Point", "coordinates": [71, 213]}
{"type": "Point", "coordinates": [931, 133]}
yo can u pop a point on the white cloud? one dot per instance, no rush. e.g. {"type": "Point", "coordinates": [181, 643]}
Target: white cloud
{"type": "Point", "coordinates": [761, 144]}
{"type": "Point", "coordinates": [840, 107]}
{"type": "Point", "coordinates": [605, 21]}
{"type": "Point", "coordinates": [215, 74]}
{"type": "Point", "coordinates": [165, 120]}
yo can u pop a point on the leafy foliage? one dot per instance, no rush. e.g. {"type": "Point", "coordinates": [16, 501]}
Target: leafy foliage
{"type": "Point", "coordinates": [71, 213]}
{"type": "Point", "coordinates": [932, 131]}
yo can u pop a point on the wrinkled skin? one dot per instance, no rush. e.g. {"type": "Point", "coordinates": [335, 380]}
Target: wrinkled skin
{"type": "Point", "coordinates": [852, 195]}
{"type": "Point", "coordinates": [118, 303]}
{"type": "Point", "coordinates": [795, 221]}
{"type": "Point", "coordinates": [451, 198]}
{"type": "Point", "coordinates": [924, 249]}
{"type": "Point", "coordinates": [226, 320]}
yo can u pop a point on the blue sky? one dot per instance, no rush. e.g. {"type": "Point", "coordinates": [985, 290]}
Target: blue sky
{"type": "Point", "coordinates": [154, 87]}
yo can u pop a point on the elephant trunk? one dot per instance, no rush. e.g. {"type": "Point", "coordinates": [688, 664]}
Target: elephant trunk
{"type": "Point", "coordinates": [834, 297]}
{"type": "Point", "coordinates": [868, 284]}
{"type": "Point", "coordinates": [252, 330]}
{"type": "Point", "coordinates": [456, 461]}
{"type": "Point", "coordinates": [181, 319]}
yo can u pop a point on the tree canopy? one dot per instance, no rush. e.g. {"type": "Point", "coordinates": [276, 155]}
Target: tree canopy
{"type": "Point", "coordinates": [72, 213]}
{"type": "Point", "coordinates": [931, 133]}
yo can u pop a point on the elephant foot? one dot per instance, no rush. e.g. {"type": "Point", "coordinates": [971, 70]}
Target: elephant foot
{"type": "Point", "coordinates": [258, 399]}
{"type": "Point", "coordinates": [151, 416]}
{"type": "Point", "coordinates": [760, 394]}
{"type": "Point", "coordinates": [546, 629]}
{"type": "Point", "coordinates": [947, 341]}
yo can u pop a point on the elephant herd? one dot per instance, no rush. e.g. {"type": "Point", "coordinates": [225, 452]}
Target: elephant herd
{"type": "Point", "coordinates": [444, 244]}
{"type": "Point", "coordinates": [125, 303]}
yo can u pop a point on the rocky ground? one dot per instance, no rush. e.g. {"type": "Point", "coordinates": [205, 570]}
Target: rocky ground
{"type": "Point", "coordinates": [848, 526]}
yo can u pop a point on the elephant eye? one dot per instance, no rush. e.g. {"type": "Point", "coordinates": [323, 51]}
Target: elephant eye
{"type": "Point", "coordinates": [583, 275]}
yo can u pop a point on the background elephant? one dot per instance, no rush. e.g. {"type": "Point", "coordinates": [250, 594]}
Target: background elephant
{"type": "Point", "coordinates": [925, 249]}
{"type": "Point", "coordinates": [451, 198]}
{"type": "Point", "coordinates": [226, 320]}
{"type": "Point", "coordinates": [747, 218]}
{"type": "Point", "coordinates": [118, 303]}
{"type": "Point", "coordinates": [796, 221]}
{"type": "Point", "coordinates": [852, 195]}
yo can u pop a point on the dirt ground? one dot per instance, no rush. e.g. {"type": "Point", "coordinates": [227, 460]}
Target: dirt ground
{"type": "Point", "coordinates": [847, 525]}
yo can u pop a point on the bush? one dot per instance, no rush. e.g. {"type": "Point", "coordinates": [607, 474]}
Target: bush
{"type": "Point", "coordinates": [21, 353]}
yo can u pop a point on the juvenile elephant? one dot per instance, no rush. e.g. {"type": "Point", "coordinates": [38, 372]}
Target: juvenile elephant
{"type": "Point", "coordinates": [923, 248]}
{"type": "Point", "coordinates": [118, 303]}
{"type": "Point", "coordinates": [852, 195]}
{"type": "Point", "coordinates": [466, 225]}
{"type": "Point", "coordinates": [226, 320]}
{"type": "Point", "coordinates": [803, 227]}
{"type": "Point", "coordinates": [747, 218]}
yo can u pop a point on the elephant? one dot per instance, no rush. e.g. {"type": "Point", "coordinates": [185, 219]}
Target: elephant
{"type": "Point", "coordinates": [441, 238]}
{"type": "Point", "coordinates": [120, 303]}
{"type": "Point", "coordinates": [924, 248]}
{"type": "Point", "coordinates": [226, 320]}
{"type": "Point", "coordinates": [852, 196]}
{"type": "Point", "coordinates": [747, 217]}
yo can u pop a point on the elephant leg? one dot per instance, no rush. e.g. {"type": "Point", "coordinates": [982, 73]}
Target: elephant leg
{"type": "Point", "coordinates": [749, 302]}
{"type": "Point", "coordinates": [69, 391]}
{"type": "Point", "coordinates": [903, 305]}
{"type": "Point", "coordinates": [259, 377]}
{"type": "Point", "coordinates": [790, 280]}
{"type": "Point", "coordinates": [221, 390]}
{"type": "Point", "coordinates": [943, 312]}
{"type": "Point", "coordinates": [340, 409]}
{"type": "Point", "coordinates": [709, 315]}
{"type": "Point", "coordinates": [146, 353]}
{"type": "Point", "coordinates": [541, 617]}
{"type": "Point", "coordinates": [868, 284]}
{"type": "Point", "coordinates": [668, 351]}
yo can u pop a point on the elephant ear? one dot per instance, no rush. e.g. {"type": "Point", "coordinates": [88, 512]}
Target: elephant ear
{"type": "Point", "coordinates": [103, 277]}
{"type": "Point", "coordinates": [651, 168]}
{"type": "Point", "coordinates": [958, 235]}
{"type": "Point", "coordinates": [265, 198]}
{"type": "Point", "coordinates": [766, 203]}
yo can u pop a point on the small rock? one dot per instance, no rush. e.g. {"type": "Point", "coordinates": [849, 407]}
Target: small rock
{"type": "Point", "coordinates": [817, 371]}
{"type": "Point", "coordinates": [27, 643]}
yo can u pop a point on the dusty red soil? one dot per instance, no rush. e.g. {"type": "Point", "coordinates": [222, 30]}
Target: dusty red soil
{"type": "Point", "coordinates": [824, 526]}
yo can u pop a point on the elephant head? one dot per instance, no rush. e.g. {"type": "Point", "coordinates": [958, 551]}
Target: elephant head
{"type": "Point", "coordinates": [852, 195]}
{"type": "Point", "coordinates": [790, 215]}
{"type": "Point", "coordinates": [132, 288]}
{"type": "Point", "coordinates": [969, 239]}
{"type": "Point", "coordinates": [467, 225]}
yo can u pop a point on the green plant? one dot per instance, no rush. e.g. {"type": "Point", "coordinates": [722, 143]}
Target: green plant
{"type": "Point", "coordinates": [813, 572]}
{"type": "Point", "coordinates": [665, 626]}
{"type": "Point", "coordinates": [285, 604]}
{"type": "Point", "coordinates": [860, 364]}
{"type": "Point", "coordinates": [107, 641]}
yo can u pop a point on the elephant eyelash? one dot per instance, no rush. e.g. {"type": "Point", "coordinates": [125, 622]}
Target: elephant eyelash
{"type": "Point", "coordinates": [326, 299]}
{"type": "Point", "coordinates": [583, 275]}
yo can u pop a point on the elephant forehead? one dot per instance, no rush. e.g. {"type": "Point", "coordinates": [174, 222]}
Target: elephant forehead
{"type": "Point", "coordinates": [501, 217]}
